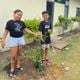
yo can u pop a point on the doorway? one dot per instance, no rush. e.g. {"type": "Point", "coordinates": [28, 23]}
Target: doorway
{"type": "Point", "coordinates": [50, 9]}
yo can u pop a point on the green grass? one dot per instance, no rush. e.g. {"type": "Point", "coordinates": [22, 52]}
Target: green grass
{"type": "Point", "coordinates": [71, 58]}
{"type": "Point", "coordinates": [33, 53]}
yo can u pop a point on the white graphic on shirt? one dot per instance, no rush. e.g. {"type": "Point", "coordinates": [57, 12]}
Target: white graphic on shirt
{"type": "Point", "coordinates": [47, 26]}
{"type": "Point", "coordinates": [18, 27]}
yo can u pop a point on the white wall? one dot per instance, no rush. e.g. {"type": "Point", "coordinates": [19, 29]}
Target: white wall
{"type": "Point", "coordinates": [74, 4]}
{"type": "Point", "coordinates": [31, 9]}
{"type": "Point", "coordinates": [58, 10]}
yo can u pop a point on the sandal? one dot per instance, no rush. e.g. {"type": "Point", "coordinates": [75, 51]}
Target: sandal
{"type": "Point", "coordinates": [21, 69]}
{"type": "Point", "coordinates": [44, 61]}
{"type": "Point", "coordinates": [11, 73]}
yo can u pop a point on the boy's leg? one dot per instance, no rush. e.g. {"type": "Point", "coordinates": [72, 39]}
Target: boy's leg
{"type": "Point", "coordinates": [42, 55]}
{"type": "Point", "coordinates": [46, 51]}
{"type": "Point", "coordinates": [13, 54]}
{"type": "Point", "coordinates": [43, 52]}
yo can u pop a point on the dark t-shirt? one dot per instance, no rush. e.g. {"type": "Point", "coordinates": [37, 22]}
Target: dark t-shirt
{"type": "Point", "coordinates": [15, 28]}
{"type": "Point", "coordinates": [43, 27]}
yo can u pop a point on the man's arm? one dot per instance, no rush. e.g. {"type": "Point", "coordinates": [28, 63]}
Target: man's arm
{"type": "Point", "coordinates": [4, 38]}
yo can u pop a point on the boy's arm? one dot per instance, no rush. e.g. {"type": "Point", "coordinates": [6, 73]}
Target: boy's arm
{"type": "Point", "coordinates": [4, 38]}
{"type": "Point", "coordinates": [30, 32]}
{"type": "Point", "coordinates": [50, 29]}
{"type": "Point", "coordinates": [40, 30]}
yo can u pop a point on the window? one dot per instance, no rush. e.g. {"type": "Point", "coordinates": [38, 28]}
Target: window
{"type": "Point", "coordinates": [78, 12]}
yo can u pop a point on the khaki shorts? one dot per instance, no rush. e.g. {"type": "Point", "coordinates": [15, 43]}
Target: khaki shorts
{"type": "Point", "coordinates": [44, 46]}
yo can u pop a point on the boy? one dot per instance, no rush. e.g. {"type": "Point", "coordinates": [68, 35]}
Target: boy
{"type": "Point", "coordinates": [16, 28]}
{"type": "Point", "coordinates": [45, 28]}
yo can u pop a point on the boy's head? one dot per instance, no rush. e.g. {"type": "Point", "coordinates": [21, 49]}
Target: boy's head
{"type": "Point", "coordinates": [45, 15]}
{"type": "Point", "coordinates": [18, 14]}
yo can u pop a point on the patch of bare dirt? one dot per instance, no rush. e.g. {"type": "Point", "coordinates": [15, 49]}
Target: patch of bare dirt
{"type": "Point", "coordinates": [51, 72]}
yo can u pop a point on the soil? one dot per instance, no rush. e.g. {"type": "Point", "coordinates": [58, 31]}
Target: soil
{"type": "Point", "coordinates": [51, 72]}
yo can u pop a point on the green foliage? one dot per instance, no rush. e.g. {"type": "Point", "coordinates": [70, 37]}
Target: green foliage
{"type": "Point", "coordinates": [38, 63]}
{"type": "Point", "coordinates": [57, 24]}
{"type": "Point", "coordinates": [64, 19]}
{"type": "Point", "coordinates": [75, 19]}
{"type": "Point", "coordinates": [1, 66]}
{"type": "Point", "coordinates": [36, 54]}
{"type": "Point", "coordinates": [0, 38]}
{"type": "Point", "coordinates": [33, 25]}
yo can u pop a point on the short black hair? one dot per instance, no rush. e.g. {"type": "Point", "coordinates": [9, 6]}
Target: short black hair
{"type": "Point", "coordinates": [17, 10]}
{"type": "Point", "coordinates": [45, 12]}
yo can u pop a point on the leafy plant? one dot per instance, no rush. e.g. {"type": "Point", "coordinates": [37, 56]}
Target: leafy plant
{"type": "Point", "coordinates": [36, 55]}
{"type": "Point", "coordinates": [33, 25]}
{"type": "Point", "coordinates": [0, 38]}
{"type": "Point", "coordinates": [64, 21]}
{"type": "Point", "coordinates": [38, 63]}
{"type": "Point", "coordinates": [75, 19]}
{"type": "Point", "coordinates": [57, 24]}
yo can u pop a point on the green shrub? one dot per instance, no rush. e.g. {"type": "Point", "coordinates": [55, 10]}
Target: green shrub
{"type": "Point", "coordinates": [75, 19]}
{"type": "Point", "coordinates": [33, 25]}
{"type": "Point", "coordinates": [64, 19]}
{"type": "Point", "coordinates": [57, 24]}
{"type": "Point", "coordinates": [36, 55]}
{"type": "Point", "coordinates": [0, 38]}
{"type": "Point", "coordinates": [37, 62]}
{"type": "Point", "coordinates": [64, 22]}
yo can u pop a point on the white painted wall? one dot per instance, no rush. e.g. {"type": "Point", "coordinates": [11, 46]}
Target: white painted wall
{"type": "Point", "coordinates": [58, 10]}
{"type": "Point", "coordinates": [31, 9]}
{"type": "Point", "coordinates": [74, 4]}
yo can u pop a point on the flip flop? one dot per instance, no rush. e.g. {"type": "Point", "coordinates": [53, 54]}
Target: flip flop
{"type": "Point", "coordinates": [21, 69]}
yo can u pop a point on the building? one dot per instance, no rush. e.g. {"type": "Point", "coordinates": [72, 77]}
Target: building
{"type": "Point", "coordinates": [33, 9]}
{"type": "Point", "coordinates": [69, 8]}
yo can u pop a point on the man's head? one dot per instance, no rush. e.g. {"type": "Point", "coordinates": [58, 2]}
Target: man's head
{"type": "Point", "coordinates": [18, 14]}
{"type": "Point", "coordinates": [45, 15]}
